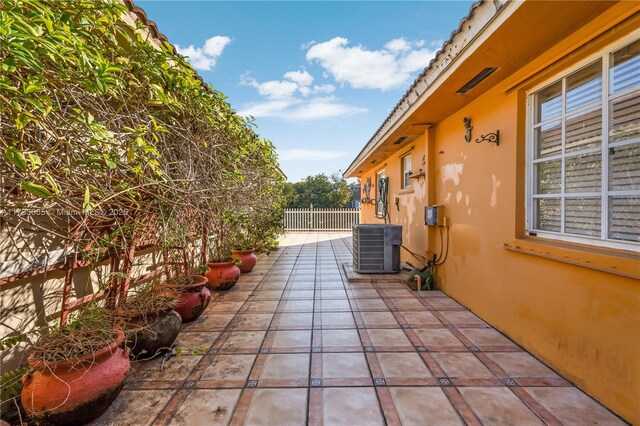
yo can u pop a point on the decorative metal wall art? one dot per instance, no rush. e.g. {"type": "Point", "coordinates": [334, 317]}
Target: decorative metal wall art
{"type": "Point", "coordinates": [489, 137]}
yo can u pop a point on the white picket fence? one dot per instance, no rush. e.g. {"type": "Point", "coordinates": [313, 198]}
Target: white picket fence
{"type": "Point", "coordinates": [320, 219]}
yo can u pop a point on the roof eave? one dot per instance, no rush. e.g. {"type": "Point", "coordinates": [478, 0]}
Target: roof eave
{"type": "Point", "coordinates": [480, 15]}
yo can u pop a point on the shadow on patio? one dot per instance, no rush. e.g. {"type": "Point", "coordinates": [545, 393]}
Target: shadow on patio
{"type": "Point", "coordinates": [294, 342]}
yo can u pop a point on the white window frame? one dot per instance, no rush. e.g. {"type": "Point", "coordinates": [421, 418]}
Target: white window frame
{"type": "Point", "coordinates": [603, 240]}
{"type": "Point", "coordinates": [406, 180]}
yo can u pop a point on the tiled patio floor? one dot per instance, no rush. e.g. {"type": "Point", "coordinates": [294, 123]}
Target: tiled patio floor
{"type": "Point", "coordinates": [294, 343]}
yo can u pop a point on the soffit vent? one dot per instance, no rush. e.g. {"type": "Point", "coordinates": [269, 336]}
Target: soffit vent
{"type": "Point", "coordinates": [477, 79]}
{"type": "Point", "coordinates": [400, 140]}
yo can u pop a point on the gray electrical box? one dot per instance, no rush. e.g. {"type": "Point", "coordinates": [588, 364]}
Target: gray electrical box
{"type": "Point", "coordinates": [376, 248]}
{"type": "Point", "coordinates": [431, 216]}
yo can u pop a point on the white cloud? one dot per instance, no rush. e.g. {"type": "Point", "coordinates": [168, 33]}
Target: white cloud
{"type": "Point", "coordinates": [390, 67]}
{"type": "Point", "coordinates": [293, 81]}
{"type": "Point", "coordinates": [205, 57]}
{"type": "Point", "coordinates": [305, 46]}
{"type": "Point", "coordinates": [295, 109]}
{"type": "Point", "coordinates": [324, 88]}
{"type": "Point", "coordinates": [309, 155]}
{"type": "Point", "coordinates": [291, 99]}
{"type": "Point", "coordinates": [269, 108]}
{"type": "Point", "coordinates": [320, 108]}
{"type": "Point", "coordinates": [398, 45]}
{"type": "Point", "coordinates": [303, 78]}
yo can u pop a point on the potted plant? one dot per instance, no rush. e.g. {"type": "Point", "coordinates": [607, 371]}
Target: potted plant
{"type": "Point", "coordinates": [246, 257]}
{"type": "Point", "coordinates": [223, 271]}
{"type": "Point", "coordinates": [77, 371]}
{"type": "Point", "coordinates": [11, 380]}
{"type": "Point", "coordinates": [243, 248]}
{"type": "Point", "coordinates": [423, 279]}
{"type": "Point", "coordinates": [149, 320]}
{"type": "Point", "coordinates": [192, 294]}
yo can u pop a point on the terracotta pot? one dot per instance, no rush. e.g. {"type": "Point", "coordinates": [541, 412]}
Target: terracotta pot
{"type": "Point", "coordinates": [193, 301]}
{"type": "Point", "coordinates": [222, 275]}
{"type": "Point", "coordinates": [158, 335]}
{"type": "Point", "coordinates": [78, 390]}
{"type": "Point", "coordinates": [247, 258]}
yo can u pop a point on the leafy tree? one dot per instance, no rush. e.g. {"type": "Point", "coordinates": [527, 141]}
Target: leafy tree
{"type": "Point", "coordinates": [320, 190]}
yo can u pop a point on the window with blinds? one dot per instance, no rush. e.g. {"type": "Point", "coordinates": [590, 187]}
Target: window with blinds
{"type": "Point", "coordinates": [584, 152]}
{"type": "Point", "coordinates": [405, 163]}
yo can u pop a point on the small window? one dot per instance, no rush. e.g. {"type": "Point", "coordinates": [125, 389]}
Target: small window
{"type": "Point", "coordinates": [406, 171]}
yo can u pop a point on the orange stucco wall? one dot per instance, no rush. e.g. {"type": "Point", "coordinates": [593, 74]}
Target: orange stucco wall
{"type": "Point", "coordinates": [583, 322]}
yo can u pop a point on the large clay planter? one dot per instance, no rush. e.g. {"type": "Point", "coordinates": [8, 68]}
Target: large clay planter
{"type": "Point", "coordinates": [78, 390]}
{"type": "Point", "coordinates": [247, 258]}
{"type": "Point", "coordinates": [194, 299]}
{"type": "Point", "coordinates": [160, 333]}
{"type": "Point", "coordinates": [222, 275]}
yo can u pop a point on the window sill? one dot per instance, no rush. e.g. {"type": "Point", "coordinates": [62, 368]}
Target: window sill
{"type": "Point", "coordinates": [406, 191]}
{"type": "Point", "coordinates": [619, 262]}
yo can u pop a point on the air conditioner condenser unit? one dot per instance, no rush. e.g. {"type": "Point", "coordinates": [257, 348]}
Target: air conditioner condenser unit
{"type": "Point", "coordinates": [376, 248]}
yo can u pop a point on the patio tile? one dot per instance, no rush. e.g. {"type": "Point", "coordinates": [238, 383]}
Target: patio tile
{"type": "Point", "coordinates": [333, 294]}
{"type": "Point", "coordinates": [207, 407]}
{"type": "Point", "coordinates": [273, 286]}
{"type": "Point", "coordinates": [438, 339]}
{"type": "Point", "coordinates": [462, 365]}
{"type": "Point", "coordinates": [388, 337]}
{"type": "Point", "coordinates": [486, 337]}
{"type": "Point", "coordinates": [335, 305]}
{"type": "Point", "coordinates": [346, 365]}
{"type": "Point", "coordinates": [300, 295]}
{"type": "Point", "coordinates": [364, 293]}
{"type": "Point", "coordinates": [262, 306]}
{"type": "Point", "coordinates": [268, 295]}
{"type": "Point", "coordinates": [277, 407]}
{"type": "Point", "coordinates": [296, 320]}
{"type": "Point", "coordinates": [403, 365]}
{"type": "Point", "coordinates": [196, 340]}
{"type": "Point", "coordinates": [297, 306]}
{"type": "Point", "coordinates": [426, 406]}
{"type": "Point", "coordinates": [337, 319]}
{"type": "Point", "coordinates": [573, 407]}
{"type": "Point", "coordinates": [371, 305]}
{"type": "Point", "coordinates": [330, 285]}
{"type": "Point", "coordinates": [397, 293]}
{"type": "Point", "coordinates": [243, 341]}
{"type": "Point", "coordinates": [134, 407]}
{"type": "Point", "coordinates": [351, 406]}
{"type": "Point", "coordinates": [521, 364]}
{"type": "Point", "coordinates": [306, 346]}
{"type": "Point", "coordinates": [292, 339]}
{"type": "Point", "coordinates": [175, 368]}
{"type": "Point", "coordinates": [498, 406]}
{"type": "Point", "coordinates": [231, 296]}
{"type": "Point", "coordinates": [224, 307]}
{"type": "Point", "coordinates": [213, 322]}
{"type": "Point", "coordinates": [253, 322]}
{"type": "Point", "coordinates": [444, 303]}
{"type": "Point", "coordinates": [407, 304]}
{"type": "Point", "coordinates": [286, 366]}
{"type": "Point", "coordinates": [339, 338]}
{"type": "Point", "coordinates": [229, 368]}
{"type": "Point", "coordinates": [297, 286]}
{"type": "Point", "coordinates": [379, 319]}
{"type": "Point", "coordinates": [463, 319]}
{"type": "Point", "coordinates": [417, 319]}
{"type": "Point", "coordinates": [329, 277]}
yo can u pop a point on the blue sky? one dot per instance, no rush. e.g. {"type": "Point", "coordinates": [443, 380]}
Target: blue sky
{"type": "Point", "coordinates": [319, 77]}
